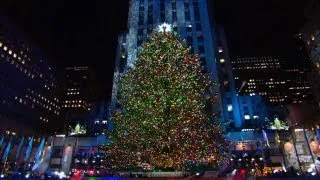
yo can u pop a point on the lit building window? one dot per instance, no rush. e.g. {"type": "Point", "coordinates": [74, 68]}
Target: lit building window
{"type": "Point", "coordinates": [246, 117]}
{"type": "Point", "coordinates": [222, 60]}
{"type": "Point", "coordinates": [230, 108]}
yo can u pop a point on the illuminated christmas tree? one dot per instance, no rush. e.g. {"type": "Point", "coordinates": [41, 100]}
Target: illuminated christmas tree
{"type": "Point", "coordinates": [166, 120]}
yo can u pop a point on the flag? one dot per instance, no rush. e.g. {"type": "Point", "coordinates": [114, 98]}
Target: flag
{"type": "Point", "coordinates": [28, 151]}
{"type": "Point", "coordinates": [39, 150]}
{"type": "Point", "coordinates": [1, 142]}
{"type": "Point", "coordinates": [277, 138]}
{"type": "Point", "coordinates": [19, 148]}
{"type": "Point", "coordinates": [265, 137]}
{"type": "Point", "coordinates": [6, 152]}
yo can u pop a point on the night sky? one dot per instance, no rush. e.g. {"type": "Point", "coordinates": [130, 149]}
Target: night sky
{"type": "Point", "coordinates": [260, 27]}
{"type": "Point", "coordinates": [85, 32]}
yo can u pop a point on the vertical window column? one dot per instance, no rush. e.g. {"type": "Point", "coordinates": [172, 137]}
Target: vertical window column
{"type": "Point", "coordinates": [196, 10]}
{"type": "Point", "coordinates": [150, 12]}
{"type": "Point", "coordinates": [162, 11]}
{"type": "Point", "coordinates": [174, 15]}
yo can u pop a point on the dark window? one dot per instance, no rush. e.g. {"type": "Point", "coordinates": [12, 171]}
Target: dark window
{"type": "Point", "coordinates": [187, 15]}
{"type": "Point", "coordinates": [150, 10]}
{"type": "Point", "coordinates": [163, 16]}
{"type": "Point", "coordinates": [201, 49]}
{"type": "Point", "coordinates": [186, 5]}
{"type": "Point", "coordinates": [189, 40]}
{"type": "Point", "coordinates": [141, 19]}
{"type": "Point", "coordinates": [175, 29]}
{"type": "Point", "coordinates": [150, 28]}
{"type": "Point", "coordinates": [192, 49]}
{"type": "Point", "coordinates": [140, 32]}
{"type": "Point", "coordinates": [231, 115]}
{"type": "Point", "coordinates": [196, 14]}
{"type": "Point", "coordinates": [162, 5]}
{"type": "Point", "coordinates": [200, 38]}
{"type": "Point", "coordinates": [198, 26]}
{"type": "Point", "coordinates": [150, 7]}
{"type": "Point", "coordinates": [150, 19]}
{"type": "Point", "coordinates": [244, 101]}
{"type": "Point", "coordinates": [195, 4]}
{"type": "Point", "coordinates": [253, 101]}
{"type": "Point", "coordinates": [141, 8]}
{"type": "Point", "coordinates": [162, 11]}
{"type": "Point", "coordinates": [246, 109]}
{"type": "Point", "coordinates": [174, 5]}
{"type": "Point", "coordinates": [204, 69]}
{"type": "Point", "coordinates": [141, 14]}
{"type": "Point", "coordinates": [174, 16]}
{"type": "Point", "coordinates": [203, 61]}
{"type": "Point", "coordinates": [229, 101]}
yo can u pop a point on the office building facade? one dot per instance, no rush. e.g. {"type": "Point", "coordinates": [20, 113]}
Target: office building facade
{"type": "Point", "coordinates": [98, 118]}
{"type": "Point", "coordinates": [189, 18]}
{"type": "Point", "coordinates": [229, 98]}
{"type": "Point", "coordinates": [79, 94]}
{"type": "Point", "coordinates": [29, 102]}
{"type": "Point", "coordinates": [239, 110]}
{"type": "Point", "coordinates": [277, 79]}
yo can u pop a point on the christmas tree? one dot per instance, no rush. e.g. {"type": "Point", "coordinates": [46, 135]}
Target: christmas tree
{"type": "Point", "coordinates": [166, 120]}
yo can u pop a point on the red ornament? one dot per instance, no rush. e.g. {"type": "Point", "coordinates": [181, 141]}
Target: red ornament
{"type": "Point", "coordinates": [187, 61]}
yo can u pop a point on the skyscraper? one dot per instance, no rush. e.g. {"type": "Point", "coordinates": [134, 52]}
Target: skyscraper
{"type": "Point", "coordinates": [80, 93]}
{"type": "Point", "coordinates": [239, 110]}
{"type": "Point", "coordinates": [29, 102]}
{"type": "Point", "coordinates": [189, 18]}
{"type": "Point", "coordinates": [229, 98]}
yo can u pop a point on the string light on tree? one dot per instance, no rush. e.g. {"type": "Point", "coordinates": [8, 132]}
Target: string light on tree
{"type": "Point", "coordinates": [166, 119]}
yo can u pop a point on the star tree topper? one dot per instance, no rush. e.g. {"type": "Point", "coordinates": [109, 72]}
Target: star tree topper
{"type": "Point", "coordinates": [164, 27]}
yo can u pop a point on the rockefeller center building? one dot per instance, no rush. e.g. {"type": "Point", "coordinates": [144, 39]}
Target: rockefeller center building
{"type": "Point", "coordinates": [188, 18]}
{"type": "Point", "coordinates": [28, 85]}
